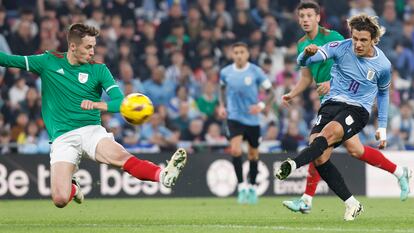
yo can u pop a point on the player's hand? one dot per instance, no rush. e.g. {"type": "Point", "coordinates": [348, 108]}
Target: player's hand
{"type": "Point", "coordinates": [323, 88]}
{"type": "Point", "coordinates": [311, 49]}
{"type": "Point", "coordinates": [381, 135]}
{"type": "Point", "coordinates": [255, 109]}
{"type": "Point", "coordinates": [286, 99]}
{"type": "Point", "coordinates": [88, 105]}
{"type": "Point", "coordinates": [222, 113]}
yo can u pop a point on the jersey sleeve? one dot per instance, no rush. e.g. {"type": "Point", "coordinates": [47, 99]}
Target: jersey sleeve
{"type": "Point", "coordinates": [262, 79]}
{"type": "Point", "coordinates": [33, 63]}
{"type": "Point", "coordinates": [384, 83]}
{"type": "Point", "coordinates": [327, 51]}
{"type": "Point", "coordinates": [223, 81]}
{"type": "Point", "coordinates": [109, 85]}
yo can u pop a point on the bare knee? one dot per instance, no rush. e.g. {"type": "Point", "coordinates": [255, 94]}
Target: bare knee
{"type": "Point", "coordinates": [236, 152]}
{"type": "Point", "coordinates": [354, 151]}
{"type": "Point", "coordinates": [60, 200]}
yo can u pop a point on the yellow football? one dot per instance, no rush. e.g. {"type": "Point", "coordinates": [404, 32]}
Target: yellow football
{"type": "Point", "coordinates": [136, 108]}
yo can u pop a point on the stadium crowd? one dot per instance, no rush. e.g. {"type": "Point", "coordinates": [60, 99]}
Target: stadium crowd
{"type": "Point", "coordinates": [173, 50]}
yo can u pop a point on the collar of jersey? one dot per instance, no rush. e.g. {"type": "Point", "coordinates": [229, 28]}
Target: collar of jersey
{"type": "Point", "coordinates": [242, 69]}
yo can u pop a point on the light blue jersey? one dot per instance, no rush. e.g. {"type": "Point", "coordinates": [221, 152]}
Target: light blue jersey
{"type": "Point", "coordinates": [242, 90]}
{"type": "Point", "coordinates": [356, 80]}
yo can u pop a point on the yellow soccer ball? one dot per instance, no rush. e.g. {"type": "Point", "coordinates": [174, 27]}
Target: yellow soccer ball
{"type": "Point", "coordinates": [136, 108]}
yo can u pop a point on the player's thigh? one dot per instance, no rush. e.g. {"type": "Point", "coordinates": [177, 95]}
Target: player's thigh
{"type": "Point", "coordinates": [236, 145]}
{"type": "Point", "coordinates": [325, 115]}
{"type": "Point", "coordinates": [109, 151]}
{"type": "Point", "coordinates": [61, 178]}
{"type": "Point", "coordinates": [324, 157]}
{"type": "Point", "coordinates": [354, 146]}
{"type": "Point", "coordinates": [333, 132]}
{"type": "Point", "coordinates": [352, 120]}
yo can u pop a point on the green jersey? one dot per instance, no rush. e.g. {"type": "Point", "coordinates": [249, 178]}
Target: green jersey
{"type": "Point", "coordinates": [320, 71]}
{"type": "Point", "coordinates": [65, 86]}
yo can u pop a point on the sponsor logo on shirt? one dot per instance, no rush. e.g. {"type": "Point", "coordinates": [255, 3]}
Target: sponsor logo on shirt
{"type": "Point", "coordinates": [83, 77]}
{"type": "Point", "coordinates": [334, 44]}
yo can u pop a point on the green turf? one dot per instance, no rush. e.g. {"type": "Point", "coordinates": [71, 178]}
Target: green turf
{"type": "Point", "coordinates": [202, 215]}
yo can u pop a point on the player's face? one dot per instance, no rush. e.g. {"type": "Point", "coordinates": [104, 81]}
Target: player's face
{"type": "Point", "coordinates": [84, 51]}
{"type": "Point", "coordinates": [308, 19]}
{"type": "Point", "coordinates": [363, 43]}
{"type": "Point", "coordinates": [240, 55]}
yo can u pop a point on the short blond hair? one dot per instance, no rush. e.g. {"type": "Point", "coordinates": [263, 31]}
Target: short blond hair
{"type": "Point", "coordinates": [363, 22]}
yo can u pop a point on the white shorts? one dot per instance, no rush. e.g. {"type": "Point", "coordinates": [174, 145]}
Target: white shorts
{"type": "Point", "coordinates": [72, 145]}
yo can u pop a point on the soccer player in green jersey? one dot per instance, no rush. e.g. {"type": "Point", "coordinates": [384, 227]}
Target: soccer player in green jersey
{"type": "Point", "coordinates": [72, 85]}
{"type": "Point", "coordinates": [309, 17]}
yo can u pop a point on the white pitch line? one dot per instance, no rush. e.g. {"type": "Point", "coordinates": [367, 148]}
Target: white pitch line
{"type": "Point", "coordinates": [231, 226]}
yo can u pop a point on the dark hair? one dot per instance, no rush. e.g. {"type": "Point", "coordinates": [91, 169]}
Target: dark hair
{"type": "Point", "coordinates": [78, 31]}
{"type": "Point", "coordinates": [309, 4]}
{"type": "Point", "coordinates": [240, 44]}
{"type": "Point", "coordinates": [363, 22]}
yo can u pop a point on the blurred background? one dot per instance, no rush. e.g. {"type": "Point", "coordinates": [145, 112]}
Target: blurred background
{"type": "Point", "coordinates": [172, 51]}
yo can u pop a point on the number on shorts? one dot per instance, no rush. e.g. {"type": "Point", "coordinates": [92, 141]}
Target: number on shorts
{"type": "Point", "coordinates": [318, 120]}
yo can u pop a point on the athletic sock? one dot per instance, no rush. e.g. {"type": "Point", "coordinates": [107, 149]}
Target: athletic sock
{"type": "Point", "coordinates": [312, 152]}
{"type": "Point", "coordinates": [334, 179]}
{"type": "Point", "coordinates": [253, 171]}
{"type": "Point", "coordinates": [399, 172]}
{"type": "Point", "coordinates": [312, 180]}
{"type": "Point", "coordinates": [237, 163]}
{"type": "Point", "coordinates": [375, 158]}
{"type": "Point", "coordinates": [307, 199]}
{"type": "Point", "coordinates": [351, 201]}
{"type": "Point", "coordinates": [73, 191]}
{"type": "Point", "coordinates": [142, 169]}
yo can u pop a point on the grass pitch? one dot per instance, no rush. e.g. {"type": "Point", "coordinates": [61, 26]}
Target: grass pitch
{"type": "Point", "coordinates": [202, 215]}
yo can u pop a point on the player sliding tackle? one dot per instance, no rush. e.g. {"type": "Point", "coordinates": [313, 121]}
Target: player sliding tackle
{"type": "Point", "coordinates": [72, 85]}
{"type": "Point", "coordinates": [361, 73]}
{"type": "Point", "coordinates": [309, 17]}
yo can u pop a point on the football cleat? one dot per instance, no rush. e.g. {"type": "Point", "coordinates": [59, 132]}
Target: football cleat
{"type": "Point", "coordinates": [352, 211]}
{"type": "Point", "coordinates": [252, 196]}
{"type": "Point", "coordinates": [79, 197]}
{"type": "Point", "coordinates": [174, 167]}
{"type": "Point", "coordinates": [242, 196]}
{"type": "Point", "coordinates": [404, 183]}
{"type": "Point", "coordinates": [285, 169]}
{"type": "Point", "coordinates": [298, 205]}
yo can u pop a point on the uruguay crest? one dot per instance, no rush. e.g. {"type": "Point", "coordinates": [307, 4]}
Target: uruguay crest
{"type": "Point", "coordinates": [370, 74]}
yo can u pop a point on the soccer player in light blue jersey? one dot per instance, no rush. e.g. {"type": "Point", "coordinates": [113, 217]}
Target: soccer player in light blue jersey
{"type": "Point", "coordinates": [239, 103]}
{"type": "Point", "coordinates": [361, 73]}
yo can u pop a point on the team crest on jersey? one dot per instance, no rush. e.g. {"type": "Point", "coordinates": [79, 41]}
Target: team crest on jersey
{"type": "Point", "coordinates": [248, 80]}
{"type": "Point", "coordinates": [370, 74]}
{"type": "Point", "coordinates": [334, 44]}
{"type": "Point", "coordinates": [83, 77]}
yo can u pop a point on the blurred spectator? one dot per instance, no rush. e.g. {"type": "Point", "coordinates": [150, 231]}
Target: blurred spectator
{"type": "Point", "coordinates": [260, 11]}
{"type": "Point", "coordinates": [393, 31]}
{"type": "Point", "coordinates": [290, 140]}
{"type": "Point", "coordinates": [5, 147]}
{"type": "Point", "coordinates": [208, 101]}
{"type": "Point", "coordinates": [125, 8]}
{"type": "Point", "coordinates": [19, 126]}
{"type": "Point", "coordinates": [31, 104]}
{"type": "Point", "coordinates": [4, 26]}
{"type": "Point", "coordinates": [402, 126]}
{"type": "Point", "coordinates": [276, 54]}
{"type": "Point", "coordinates": [157, 88]}
{"type": "Point", "coordinates": [194, 131]}
{"type": "Point", "coordinates": [181, 95]}
{"type": "Point", "coordinates": [214, 136]}
{"type": "Point", "coordinates": [156, 133]}
{"type": "Point", "coordinates": [220, 12]}
{"type": "Point", "coordinates": [174, 16]}
{"type": "Point", "coordinates": [243, 26]}
{"type": "Point", "coordinates": [176, 40]}
{"type": "Point", "coordinates": [361, 6]}
{"type": "Point", "coordinates": [182, 121]}
{"type": "Point", "coordinates": [22, 42]}
{"type": "Point", "coordinates": [194, 23]}
{"type": "Point", "coordinates": [18, 92]}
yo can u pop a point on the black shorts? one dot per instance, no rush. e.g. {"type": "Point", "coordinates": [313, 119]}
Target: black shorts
{"type": "Point", "coordinates": [352, 118]}
{"type": "Point", "coordinates": [250, 133]}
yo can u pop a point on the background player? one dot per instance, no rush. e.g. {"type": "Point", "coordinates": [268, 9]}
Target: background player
{"type": "Point", "coordinates": [240, 83]}
{"type": "Point", "coordinates": [309, 17]}
{"type": "Point", "coordinates": [72, 85]}
{"type": "Point", "coordinates": [361, 72]}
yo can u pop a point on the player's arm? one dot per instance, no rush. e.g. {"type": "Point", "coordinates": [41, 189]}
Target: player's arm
{"type": "Point", "coordinates": [304, 82]}
{"type": "Point", "coordinates": [267, 86]}
{"type": "Point", "coordinates": [314, 54]}
{"type": "Point", "coordinates": [33, 63]}
{"type": "Point", "coordinates": [222, 97]}
{"type": "Point", "coordinates": [112, 89]}
{"type": "Point", "coordinates": [383, 97]}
